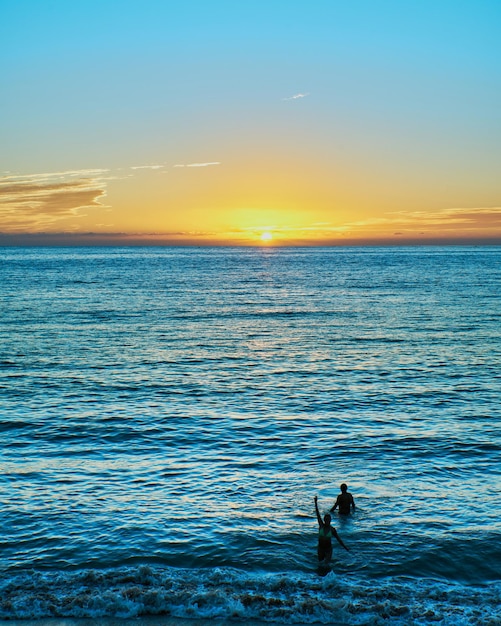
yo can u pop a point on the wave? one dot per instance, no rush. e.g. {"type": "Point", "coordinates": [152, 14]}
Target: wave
{"type": "Point", "coordinates": [227, 593]}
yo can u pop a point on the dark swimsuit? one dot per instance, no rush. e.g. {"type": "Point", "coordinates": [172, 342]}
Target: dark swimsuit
{"type": "Point", "coordinates": [324, 543]}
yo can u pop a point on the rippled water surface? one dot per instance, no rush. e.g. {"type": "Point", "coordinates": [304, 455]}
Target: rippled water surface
{"type": "Point", "coordinates": [168, 414]}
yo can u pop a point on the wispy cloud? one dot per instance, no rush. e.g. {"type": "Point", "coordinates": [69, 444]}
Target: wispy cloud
{"type": "Point", "coordinates": [460, 217]}
{"type": "Point", "coordinates": [198, 164]}
{"type": "Point", "coordinates": [446, 220]}
{"type": "Point", "coordinates": [51, 175]}
{"type": "Point", "coordinates": [297, 96]}
{"type": "Point", "coordinates": [36, 201]}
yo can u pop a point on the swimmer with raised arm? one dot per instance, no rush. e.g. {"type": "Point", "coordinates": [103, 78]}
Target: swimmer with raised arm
{"type": "Point", "coordinates": [325, 534]}
{"type": "Point", "coordinates": [344, 501]}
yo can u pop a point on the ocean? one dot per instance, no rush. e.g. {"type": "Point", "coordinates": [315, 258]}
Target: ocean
{"type": "Point", "coordinates": [168, 414]}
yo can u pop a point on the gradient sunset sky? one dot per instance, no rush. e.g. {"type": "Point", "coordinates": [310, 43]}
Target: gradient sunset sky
{"type": "Point", "coordinates": [213, 122]}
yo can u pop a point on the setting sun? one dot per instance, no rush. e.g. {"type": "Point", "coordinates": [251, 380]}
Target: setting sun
{"type": "Point", "coordinates": [266, 236]}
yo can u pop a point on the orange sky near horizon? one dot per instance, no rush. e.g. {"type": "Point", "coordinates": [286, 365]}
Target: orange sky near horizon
{"type": "Point", "coordinates": [203, 204]}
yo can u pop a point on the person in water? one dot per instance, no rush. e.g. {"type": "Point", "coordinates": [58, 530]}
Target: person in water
{"type": "Point", "coordinates": [344, 501]}
{"type": "Point", "coordinates": [325, 534]}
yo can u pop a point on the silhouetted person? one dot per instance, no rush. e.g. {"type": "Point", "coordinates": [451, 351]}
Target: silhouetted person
{"type": "Point", "coordinates": [325, 534]}
{"type": "Point", "coordinates": [344, 501]}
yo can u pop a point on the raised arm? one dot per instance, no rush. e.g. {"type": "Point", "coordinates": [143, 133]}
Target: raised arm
{"type": "Point", "coordinates": [320, 523]}
{"type": "Point", "coordinates": [334, 532]}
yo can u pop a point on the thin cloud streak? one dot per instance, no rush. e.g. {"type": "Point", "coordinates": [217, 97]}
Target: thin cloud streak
{"type": "Point", "coordinates": [456, 218]}
{"type": "Point", "coordinates": [297, 96]}
{"type": "Point", "coordinates": [51, 175]}
{"type": "Point", "coordinates": [198, 164]}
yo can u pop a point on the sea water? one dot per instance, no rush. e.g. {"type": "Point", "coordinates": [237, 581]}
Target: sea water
{"type": "Point", "coordinates": [167, 416]}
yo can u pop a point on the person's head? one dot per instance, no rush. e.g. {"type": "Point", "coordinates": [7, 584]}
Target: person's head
{"type": "Point", "coordinates": [327, 519]}
{"type": "Point", "coordinates": [344, 487]}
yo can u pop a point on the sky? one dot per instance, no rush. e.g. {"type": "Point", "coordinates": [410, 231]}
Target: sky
{"type": "Point", "coordinates": [250, 122]}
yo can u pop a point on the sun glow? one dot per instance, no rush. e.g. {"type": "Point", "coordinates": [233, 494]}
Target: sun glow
{"type": "Point", "coordinates": [266, 237]}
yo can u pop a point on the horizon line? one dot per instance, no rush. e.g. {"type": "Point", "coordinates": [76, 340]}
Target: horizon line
{"type": "Point", "coordinates": [95, 240]}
